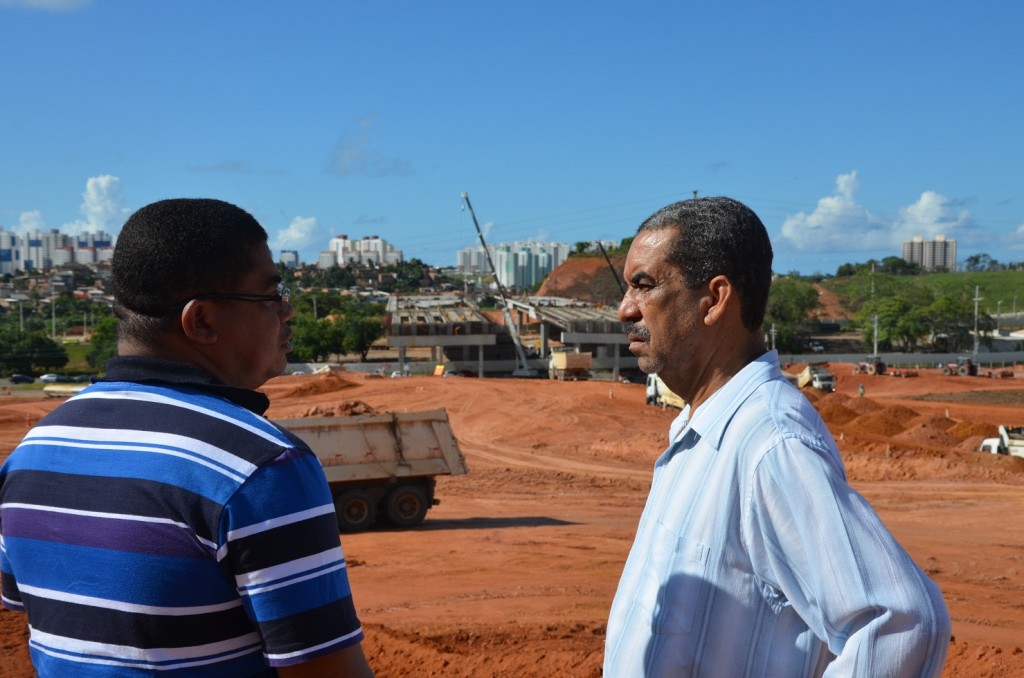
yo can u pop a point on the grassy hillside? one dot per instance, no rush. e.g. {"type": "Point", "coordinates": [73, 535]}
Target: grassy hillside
{"type": "Point", "coordinates": [993, 287]}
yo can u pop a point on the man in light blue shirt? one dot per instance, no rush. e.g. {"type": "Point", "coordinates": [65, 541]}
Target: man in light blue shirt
{"type": "Point", "coordinates": [753, 556]}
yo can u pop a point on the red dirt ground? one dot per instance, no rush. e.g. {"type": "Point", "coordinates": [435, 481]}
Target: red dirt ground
{"type": "Point", "coordinates": [513, 573]}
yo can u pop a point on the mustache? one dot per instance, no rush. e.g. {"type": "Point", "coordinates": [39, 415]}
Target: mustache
{"type": "Point", "coordinates": [641, 333]}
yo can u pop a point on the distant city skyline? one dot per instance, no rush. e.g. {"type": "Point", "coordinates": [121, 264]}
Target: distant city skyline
{"type": "Point", "coordinates": [519, 263]}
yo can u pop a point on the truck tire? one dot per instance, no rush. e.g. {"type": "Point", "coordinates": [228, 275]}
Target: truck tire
{"type": "Point", "coordinates": [963, 370]}
{"type": "Point", "coordinates": [871, 369]}
{"type": "Point", "coordinates": [406, 506]}
{"type": "Point", "coordinates": [356, 510]}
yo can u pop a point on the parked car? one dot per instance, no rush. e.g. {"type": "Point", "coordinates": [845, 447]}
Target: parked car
{"type": "Point", "coordinates": [817, 347]}
{"type": "Point", "coordinates": [20, 379]}
{"type": "Point", "coordinates": [50, 378]}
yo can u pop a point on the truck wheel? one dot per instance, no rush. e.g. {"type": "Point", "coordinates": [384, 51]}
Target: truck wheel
{"type": "Point", "coordinates": [871, 369]}
{"type": "Point", "coordinates": [406, 506]}
{"type": "Point", "coordinates": [963, 370]}
{"type": "Point", "coordinates": [356, 511]}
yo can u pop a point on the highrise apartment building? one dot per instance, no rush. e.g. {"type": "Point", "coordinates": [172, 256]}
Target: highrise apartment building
{"type": "Point", "coordinates": [519, 264]}
{"type": "Point", "coordinates": [931, 255]}
{"type": "Point", "coordinates": [290, 258]}
{"type": "Point", "coordinates": [44, 250]}
{"type": "Point", "coordinates": [370, 249]}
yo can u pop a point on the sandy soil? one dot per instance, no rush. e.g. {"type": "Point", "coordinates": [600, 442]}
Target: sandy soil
{"type": "Point", "coordinates": [513, 573]}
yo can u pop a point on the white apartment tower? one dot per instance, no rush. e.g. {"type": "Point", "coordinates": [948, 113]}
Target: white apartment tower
{"type": "Point", "coordinates": [370, 249]}
{"type": "Point", "coordinates": [44, 250]}
{"type": "Point", "coordinates": [931, 254]}
{"type": "Point", "coordinates": [519, 264]}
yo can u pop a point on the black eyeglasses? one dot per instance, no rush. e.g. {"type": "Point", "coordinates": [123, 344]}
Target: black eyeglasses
{"type": "Point", "coordinates": [281, 295]}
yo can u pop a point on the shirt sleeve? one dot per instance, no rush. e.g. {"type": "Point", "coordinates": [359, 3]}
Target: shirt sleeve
{"type": "Point", "coordinates": [281, 543]}
{"type": "Point", "coordinates": [817, 545]}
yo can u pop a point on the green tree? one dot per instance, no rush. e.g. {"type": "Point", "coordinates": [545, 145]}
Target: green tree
{"type": "Point", "coordinates": [359, 332]}
{"type": "Point", "coordinates": [791, 303]}
{"type": "Point", "coordinates": [29, 352]}
{"type": "Point", "coordinates": [104, 343]}
{"type": "Point", "coordinates": [314, 340]}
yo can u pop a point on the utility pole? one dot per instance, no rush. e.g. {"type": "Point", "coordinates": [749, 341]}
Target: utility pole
{"type": "Point", "coordinates": [977, 299]}
{"type": "Point", "coordinates": [874, 349]}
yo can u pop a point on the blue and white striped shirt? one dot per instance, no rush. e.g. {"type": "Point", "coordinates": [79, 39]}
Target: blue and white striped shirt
{"type": "Point", "coordinates": [754, 557]}
{"type": "Point", "coordinates": [155, 525]}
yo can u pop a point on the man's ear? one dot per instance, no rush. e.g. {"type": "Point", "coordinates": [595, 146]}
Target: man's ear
{"type": "Point", "coordinates": [198, 322]}
{"type": "Point", "coordinates": [721, 298]}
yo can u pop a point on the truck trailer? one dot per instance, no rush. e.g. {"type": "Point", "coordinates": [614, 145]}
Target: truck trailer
{"type": "Point", "coordinates": [568, 364]}
{"type": "Point", "coordinates": [382, 464]}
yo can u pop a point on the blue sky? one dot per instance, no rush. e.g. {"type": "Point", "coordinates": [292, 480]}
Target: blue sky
{"type": "Point", "coordinates": [848, 127]}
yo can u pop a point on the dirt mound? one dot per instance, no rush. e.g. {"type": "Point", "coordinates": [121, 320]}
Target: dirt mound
{"type": "Point", "coordinates": [940, 422]}
{"type": "Point", "coordinates": [927, 434]}
{"type": "Point", "coordinates": [833, 409]}
{"type": "Point", "coordinates": [863, 405]}
{"type": "Point", "coordinates": [586, 278]}
{"type": "Point", "coordinates": [349, 408]}
{"type": "Point", "coordinates": [886, 421]}
{"type": "Point", "coordinates": [968, 429]}
{"type": "Point", "coordinates": [297, 386]}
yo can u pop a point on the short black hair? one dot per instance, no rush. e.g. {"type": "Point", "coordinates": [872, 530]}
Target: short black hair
{"type": "Point", "coordinates": [720, 236]}
{"type": "Point", "coordinates": [172, 250]}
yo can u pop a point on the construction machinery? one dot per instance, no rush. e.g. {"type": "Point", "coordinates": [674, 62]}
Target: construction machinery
{"type": "Point", "coordinates": [963, 367]}
{"type": "Point", "coordinates": [567, 363]}
{"type": "Point", "coordinates": [382, 464]}
{"type": "Point", "coordinates": [523, 368]}
{"type": "Point", "coordinates": [870, 366]}
{"type": "Point", "coordinates": [818, 376]}
{"type": "Point", "coordinates": [1010, 442]}
{"type": "Point", "coordinates": [661, 395]}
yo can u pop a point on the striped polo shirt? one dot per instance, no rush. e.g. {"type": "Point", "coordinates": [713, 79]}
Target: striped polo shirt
{"type": "Point", "coordinates": [152, 523]}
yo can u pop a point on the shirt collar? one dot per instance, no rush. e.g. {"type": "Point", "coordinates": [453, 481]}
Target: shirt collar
{"type": "Point", "coordinates": [712, 417]}
{"type": "Point", "coordinates": [160, 371]}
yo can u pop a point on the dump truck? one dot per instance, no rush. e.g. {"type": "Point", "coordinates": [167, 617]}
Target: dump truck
{"type": "Point", "coordinates": [964, 367]}
{"type": "Point", "coordinates": [818, 376]}
{"type": "Point", "coordinates": [1010, 441]}
{"type": "Point", "coordinates": [568, 364]}
{"type": "Point", "coordinates": [661, 395]}
{"type": "Point", "coordinates": [382, 464]}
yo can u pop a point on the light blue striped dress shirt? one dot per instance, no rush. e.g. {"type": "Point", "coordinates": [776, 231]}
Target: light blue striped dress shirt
{"type": "Point", "coordinates": [754, 557]}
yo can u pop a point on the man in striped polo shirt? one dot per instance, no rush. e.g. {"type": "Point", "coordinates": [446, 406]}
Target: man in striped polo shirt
{"type": "Point", "coordinates": [156, 523]}
{"type": "Point", "coordinates": [753, 556]}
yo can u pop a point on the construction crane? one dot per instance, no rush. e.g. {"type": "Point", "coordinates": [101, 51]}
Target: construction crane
{"type": "Point", "coordinates": [522, 367]}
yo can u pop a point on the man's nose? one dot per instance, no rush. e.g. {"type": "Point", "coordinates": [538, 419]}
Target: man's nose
{"type": "Point", "coordinates": [627, 308]}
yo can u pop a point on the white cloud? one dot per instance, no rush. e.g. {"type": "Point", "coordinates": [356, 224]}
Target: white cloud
{"type": "Point", "coordinates": [839, 223]}
{"type": "Point", "coordinates": [31, 221]}
{"type": "Point", "coordinates": [304, 233]}
{"type": "Point", "coordinates": [101, 206]}
{"type": "Point", "coordinates": [353, 156]}
{"type": "Point", "coordinates": [931, 215]}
